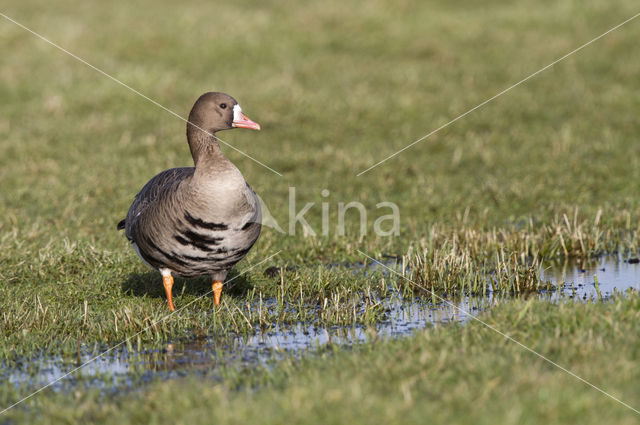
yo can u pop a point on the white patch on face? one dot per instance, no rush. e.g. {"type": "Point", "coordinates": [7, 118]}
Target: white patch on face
{"type": "Point", "coordinates": [237, 112]}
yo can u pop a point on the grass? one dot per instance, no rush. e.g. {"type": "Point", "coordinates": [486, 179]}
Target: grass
{"type": "Point", "coordinates": [543, 172]}
{"type": "Point", "coordinates": [456, 373]}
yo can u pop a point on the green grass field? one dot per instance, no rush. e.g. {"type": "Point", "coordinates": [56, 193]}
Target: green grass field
{"type": "Point", "coordinates": [547, 171]}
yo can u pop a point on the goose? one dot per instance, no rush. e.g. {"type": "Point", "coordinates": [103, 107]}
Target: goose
{"type": "Point", "coordinates": [201, 220]}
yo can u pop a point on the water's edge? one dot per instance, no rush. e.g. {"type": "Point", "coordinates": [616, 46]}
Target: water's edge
{"type": "Point", "coordinates": [121, 370]}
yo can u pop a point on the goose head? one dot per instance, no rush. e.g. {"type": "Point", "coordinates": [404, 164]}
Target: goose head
{"type": "Point", "coordinates": [215, 111]}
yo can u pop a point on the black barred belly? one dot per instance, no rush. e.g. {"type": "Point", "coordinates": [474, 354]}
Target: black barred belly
{"type": "Point", "coordinates": [200, 248]}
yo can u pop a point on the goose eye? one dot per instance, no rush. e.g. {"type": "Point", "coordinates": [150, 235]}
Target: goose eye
{"type": "Point", "coordinates": [223, 105]}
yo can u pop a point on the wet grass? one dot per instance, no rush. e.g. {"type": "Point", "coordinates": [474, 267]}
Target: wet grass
{"type": "Point", "coordinates": [462, 374]}
{"type": "Point", "coordinates": [545, 172]}
{"type": "Point", "coordinates": [468, 260]}
{"type": "Point", "coordinates": [62, 313]}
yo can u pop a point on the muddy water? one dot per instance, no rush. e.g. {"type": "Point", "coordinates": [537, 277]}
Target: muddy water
{"type": "Point", "coordinates": [120, 369]}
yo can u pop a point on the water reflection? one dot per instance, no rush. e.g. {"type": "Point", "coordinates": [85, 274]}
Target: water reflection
{"type": "Point", "coordinates": [576, 279]}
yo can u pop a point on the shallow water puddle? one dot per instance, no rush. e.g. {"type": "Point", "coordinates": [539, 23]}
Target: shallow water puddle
{"type": "Point", "coordinates": [123, 370]}
{"type": "Point", "coordinates": [577, 279]}
{"type": "Point", "coordinates": [119, 368]}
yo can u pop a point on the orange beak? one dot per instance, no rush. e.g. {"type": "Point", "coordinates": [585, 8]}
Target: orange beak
{"type": "Point", "coordinates": [243, 121]}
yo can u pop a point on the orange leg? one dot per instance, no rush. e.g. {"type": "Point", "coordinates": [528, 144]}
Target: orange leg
{"type": "Point", "coordinates": [167, 281]}
{"type": "Point", "coordinates": [217, 291]}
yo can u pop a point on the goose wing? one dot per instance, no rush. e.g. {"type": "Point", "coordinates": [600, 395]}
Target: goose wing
{"type": "Point", "coordinates": [158, 187]}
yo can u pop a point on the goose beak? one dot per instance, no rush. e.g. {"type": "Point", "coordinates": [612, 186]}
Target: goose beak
{"type": "Point", "coordinates": [240, 120]}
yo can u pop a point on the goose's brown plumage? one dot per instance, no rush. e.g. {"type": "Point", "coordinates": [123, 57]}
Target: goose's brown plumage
{"type": "Point", "coordinates": [201, 220]}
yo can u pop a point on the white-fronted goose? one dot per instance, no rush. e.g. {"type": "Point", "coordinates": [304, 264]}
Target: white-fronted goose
{"type": "Point", "coordinates": [202, 220]}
